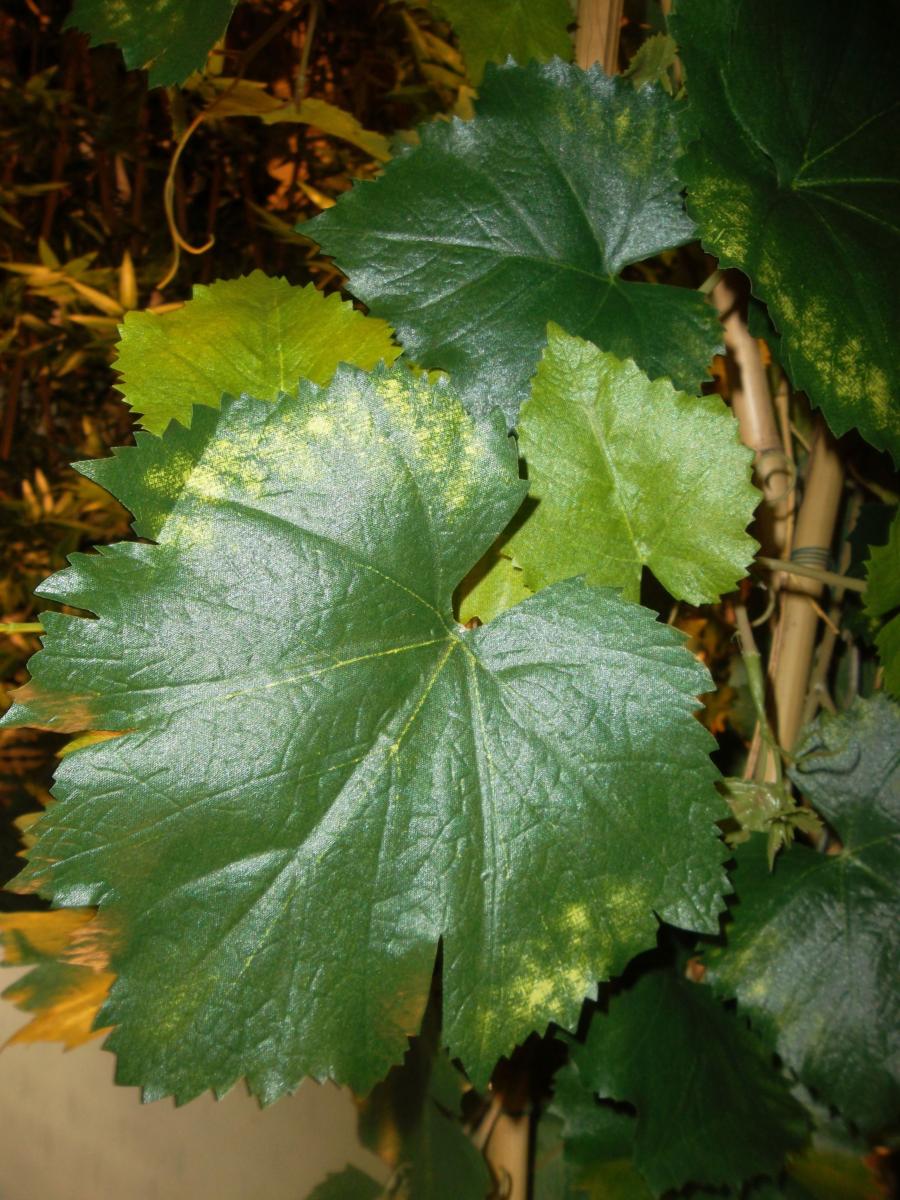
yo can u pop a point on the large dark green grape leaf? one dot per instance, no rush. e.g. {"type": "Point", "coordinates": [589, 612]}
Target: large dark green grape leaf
{"type": "Point", "coordinates": [711, 1107]}
{"type": "Point", "coordinates": [883, 601]}
{"type": "Point", "coordinates": [320, 774]}
{"type": "Point", "coordinates": [472, 241]}
{"type": "Point", "coordinates": [169, 38]}
{"type": "Point", "coordinates": [794, 177]}
{"type": "Point", "coordinates": [519, 29]}
{"type": "Point", "coordinates": [257, 334]}
{"type": "Point", "coordinates": [812, 949]}
{"type": "Point", "coordinates": [619, 468]}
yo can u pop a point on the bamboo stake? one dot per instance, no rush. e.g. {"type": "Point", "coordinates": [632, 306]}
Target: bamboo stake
{"type": "Point", "coordinates": [597, 37]}
{"type": "Point", "coordinates": [798, 623]}
{"type": "Point", "coordinates": [751, 402]}
{"type": "Point", "coordinates": [507, 1151]}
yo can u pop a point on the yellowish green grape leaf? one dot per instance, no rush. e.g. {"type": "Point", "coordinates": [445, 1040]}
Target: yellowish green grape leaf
{"type": "Point", "coordinates": [69, 981]}
{"type": "Point", "coordinates": [501, 29]}
{"type": "Point", "coordinates": [652, 62]}
{"type": "Point", "coordinates": [492, 586]}
{"type": "Point", "coordinates": [258, 334]}
{"type": "Point", "coordinates": [321, 775]}
{"type": "Point", "coordinates": [619, 468]}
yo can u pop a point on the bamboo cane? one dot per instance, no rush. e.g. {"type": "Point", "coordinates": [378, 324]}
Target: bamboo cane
{"type": "Point", "coordinates": [798, 623]}
{"type": "Point", "coordinates": [751, 403]}
{"type": "Point", "coordinates": [597, 37]}
{"type": "Point", "coordinates": [508, 1153]}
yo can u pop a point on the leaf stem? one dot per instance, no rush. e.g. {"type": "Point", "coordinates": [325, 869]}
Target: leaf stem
{"type": "Point", "coordinates": [757, 683]}
{"type": "Point", "coordinates": [11, 627]}
{"type": "Point", "coordinates": [830, 578]}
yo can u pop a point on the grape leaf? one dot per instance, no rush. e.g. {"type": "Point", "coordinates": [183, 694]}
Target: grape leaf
{"type": "Point", "coordinates": [711, 1108]}
{"type": "Point", "coordinates": [349, 1184]}
{"type": "Point", "coordinates": [794, 177]}
{"type": "Point", "coordinates": [321, 774]}
{"type": "Point", "coordinates": [652, 61]}
{"type": "Point", "coordinates": [411, 1119]}
{"type": "Point", "coordinates": [472, 241]}
{"type": "Point", "coordinates": [70, 980]}
{"type": "Point", "coordinates": [812, 950]}
{"type": "Point", "coordinates": [493, 585]}
{"type": "Point", "coordinates": [168, 38]}
{"type": "Point", "coordinates": [883, 600]}
{"type": "Point", "coordinates": [598, 1142]}
{"type": "Point", "coordinates": [619, 468]}
{"type": "Point", "coordinates": [257, 334]}
{"type": "Point", "coordinates": [519, 29]}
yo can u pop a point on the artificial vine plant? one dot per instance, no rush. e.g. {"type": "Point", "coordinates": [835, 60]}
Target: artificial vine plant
{"type": "Point", "coordinates": [376, 738]}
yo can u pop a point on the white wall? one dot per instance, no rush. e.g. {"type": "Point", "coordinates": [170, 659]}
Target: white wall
{"type": "Point", "coordinates": [68, 1133]}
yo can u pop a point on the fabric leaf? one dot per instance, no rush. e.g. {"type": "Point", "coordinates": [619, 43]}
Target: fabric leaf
{"type": "Point", "coordinates": [412, 1120]}
{"type": "Point", "coordinates": [307, 732]}
{"type": "Point", "coordinates": [70, 980]}
{"type": "Point", "coordinates": [711, 1108]}
{"type": "Point", "coordinates": [619, 467]}
{"type": "Point", "coordinates": [168, 38]}
{"type": "Point", "coordinates": [472, 241]}
{"type": "Point", "coordinates": [794, 176]}
{"type": "Point", "coordinates": [256, 334]}
{"type": "Point", "coordinates": [493, 585]}
{"type": "Point", "coordinates": [812, 950]}
{"type": "Point", "coordinates": [349, 1184]}
{"type": "Point", "coordinates": [883, 600]}
{"type": "Point", "coordinates": [598, 1142]}
{"type": "Point", "coordinates": [519, 29]}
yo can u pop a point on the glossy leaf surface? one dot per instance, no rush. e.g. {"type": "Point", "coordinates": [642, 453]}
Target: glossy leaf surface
{"type": "Point", "coordinates": [812, 949]}
{"type": "Point", "coordinates": [518, 29]}
{"type": "Point", "coordinates": [711, 1109]}
{"type": "Point", "coordinates": [168, 38]}
{"type": "Point", "coordinates": [258, 334]}
{"type": "Point", "coordinates": [309, 733]}
{"type": "Point", "coordinates": [472, 241]}
{"type": "Point", "coordinates": [883, 601]}
{"type": "Point", "coordinates": [618, 467]}
{"type": "Point", "coordinates": [794, 177]}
